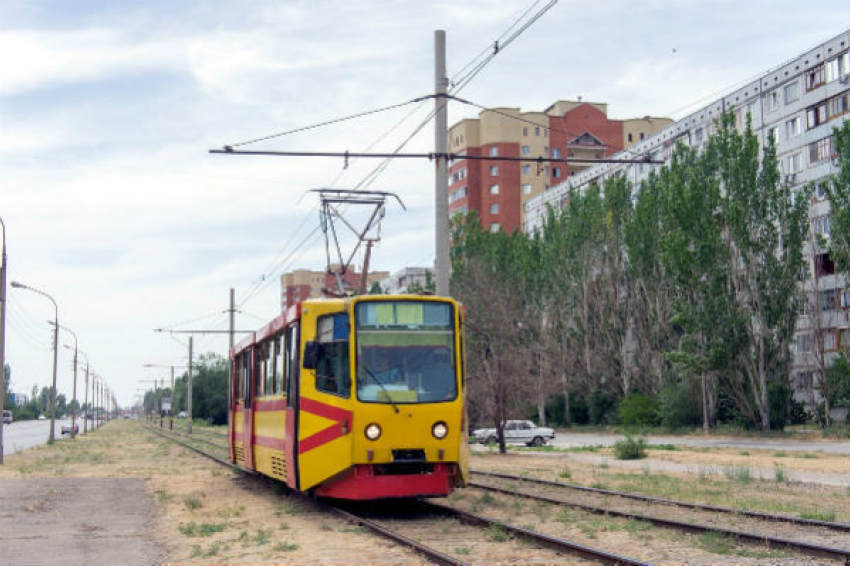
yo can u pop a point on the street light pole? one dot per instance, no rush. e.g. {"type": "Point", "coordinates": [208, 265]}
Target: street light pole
{"type": "Point", "coordinates": [86, 389]}
{"type": "Point", "coordinates": [17, 285]}
{"type": "Point", "coordinates": [2, 337]}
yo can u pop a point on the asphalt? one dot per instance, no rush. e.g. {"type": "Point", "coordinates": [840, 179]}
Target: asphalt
{"type": "Point", "coordinates": [74, 521]}
{"type": "Point", "coordinates": [21, 435]}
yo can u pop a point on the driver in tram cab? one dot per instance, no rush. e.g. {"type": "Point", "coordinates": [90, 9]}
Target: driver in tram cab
{"type": "Point", "coordinates": [440, 378]}
{"type": "Point", "coordinates": [386, 372]}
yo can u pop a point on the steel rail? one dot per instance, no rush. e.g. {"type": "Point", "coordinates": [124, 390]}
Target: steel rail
{"type": "Point", "coordinates": [554, 543]}
{"type": "Point", "coordinates": [430, 553]}
{"type": "Point", "coordinates": [817, 550]}
{"type": "Point", "coordinates": [685, 504]}
{"type": "Point", "coordinates": [198, 439]}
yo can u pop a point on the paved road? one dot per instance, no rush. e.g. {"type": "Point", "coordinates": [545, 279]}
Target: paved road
{"type": "Point", "coordinates": [73, 521]}
{"type": "Point", "coordinates": [21, 435]}
{"type": "Point", "coordinates": [570, 439]}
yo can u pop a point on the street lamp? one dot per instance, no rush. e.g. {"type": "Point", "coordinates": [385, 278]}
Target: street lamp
{"type": "Point", "coordinates": [17, 285]}
{"type": "Point", "coordinates": [2, 337]}
{"type": "Point", "coordinates": [86, 394]}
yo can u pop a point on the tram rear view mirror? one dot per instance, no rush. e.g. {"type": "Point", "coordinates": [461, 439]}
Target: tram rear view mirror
{"type": "Point", "coordinates": [311, 354]}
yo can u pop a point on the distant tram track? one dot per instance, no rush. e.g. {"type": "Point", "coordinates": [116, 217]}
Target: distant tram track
{"type": "Point", "coordinates": [820, 536]}
{"type": "Point", "coordinates": [551, 550]}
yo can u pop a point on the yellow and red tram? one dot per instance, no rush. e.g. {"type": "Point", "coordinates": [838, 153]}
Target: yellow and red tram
{"type": "Point", "coordinates": [354, 398]}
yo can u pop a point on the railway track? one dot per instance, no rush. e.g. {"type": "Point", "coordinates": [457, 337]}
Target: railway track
{"type": "Point", "coordinates": [472, 534]}
{"type": "Point", "coordinates": [822, 536]}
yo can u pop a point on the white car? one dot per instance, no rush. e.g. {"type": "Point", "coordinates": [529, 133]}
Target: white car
{"type": "Point", "coordinates": [516, 432]}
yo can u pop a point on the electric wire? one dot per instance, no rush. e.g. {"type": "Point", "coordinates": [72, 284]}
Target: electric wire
{"type": "Point", "coordinates": [190, 320]}
{"type": "Point", "coordinates": [456, 86]}
{"type": "Point", "coordinates": [327, 123]}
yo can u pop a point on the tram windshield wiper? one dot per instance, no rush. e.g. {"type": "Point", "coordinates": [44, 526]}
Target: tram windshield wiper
{"type": "Point", "coordinates": [381, 385]}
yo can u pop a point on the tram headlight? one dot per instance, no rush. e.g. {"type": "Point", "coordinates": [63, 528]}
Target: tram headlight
{"type": "Point", "coordinates": [439, 430]}
{"type": "Point", "coordinates": [373, 431]}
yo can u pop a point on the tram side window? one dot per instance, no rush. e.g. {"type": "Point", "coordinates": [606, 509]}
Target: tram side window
{"type": "Point", "coordinates": [278, 366]}
{"type": "Point", "coordinates": [237, 378]}
{"type": "Point", "coordinates": [332, 366]}
{"type": "Point", "coordinates": [260, 382]}
{"type": "Point", "coordinates": [243, 379]}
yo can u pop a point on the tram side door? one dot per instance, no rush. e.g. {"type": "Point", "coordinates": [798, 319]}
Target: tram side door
{"type": "Point", "coordinates": [292, 344]}
{"type": "Point", "coordinates": [248, 424]}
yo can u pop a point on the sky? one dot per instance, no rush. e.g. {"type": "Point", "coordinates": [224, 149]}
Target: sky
{"type": "Point", "coordinates": [114, 206]}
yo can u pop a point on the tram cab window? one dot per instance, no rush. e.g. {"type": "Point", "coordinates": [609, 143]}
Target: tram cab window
{"type": "Point", "coordinates": [332, 373]}
{"type": "Point", "coordinates": [278, 365]}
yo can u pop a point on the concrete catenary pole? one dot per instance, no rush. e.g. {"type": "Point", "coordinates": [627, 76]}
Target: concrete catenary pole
{"type": "Point", "coordinates": [189, 400]}
{"type": "Point", "coordinates": [171, 410]}
{"type": "Point", "coordinates": [441, 203]}
{"type": "Point", "coordinates": [230, 353]}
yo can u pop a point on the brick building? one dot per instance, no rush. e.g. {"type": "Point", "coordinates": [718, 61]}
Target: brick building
{"type": "Point", "coordinates": [498, 190]}
{"type": "Point", "coordinates": [301, 284]}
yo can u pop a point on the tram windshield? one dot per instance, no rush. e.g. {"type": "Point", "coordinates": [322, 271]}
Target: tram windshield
{"type": "Point", "coordinates": [405, 352]}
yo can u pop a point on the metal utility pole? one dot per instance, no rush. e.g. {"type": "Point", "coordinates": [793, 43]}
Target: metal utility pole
{"type": "Point", "coordinates": [171, 411]}
{"type": "Point", "coordinates": [441, 177]}
{"type": "Point", "coordinates": [229, 354]}
{"type": "Point", "coordinates": [74, 396]}
{"type": "Point", "coordinates": [2, 337]}
{"type": "Point", "coordinates": [189, 400]}
{"type": "Point", "coordinates": [86, 402]}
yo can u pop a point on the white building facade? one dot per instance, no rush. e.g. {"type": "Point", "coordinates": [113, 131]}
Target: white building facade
{"type": "Point", "coordinates": [798, 104]}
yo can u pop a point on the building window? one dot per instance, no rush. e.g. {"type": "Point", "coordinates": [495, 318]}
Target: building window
{"type": "Point", "coordinates": [556, 153]}
{"type": "Point", "coordinates": [494, 151]}
{"type": "Point", "coordinates": [829, 341]}
{"type": "Point", "coordinates": [815, 77]}
{"type": "Point", "coordinates": [815, 116]}
{"type": "Point", "coordinates": [773, 134]}
{"type": "Point", "coordinates": [821, 149]}
{"type": "Point", "coordinates": [494, 189]}
{"type": "Point", "coordinates": [641, 135]}
{"type": "Point", "coordinates": [495, 227]}
{"type": "Point", "coordinates": [824, 265]}
{"type": "Point", "coordinates": [630, 136]}
{"type": "Point", "coordinates": [838, 105]}
{"type": "Point", "coordinates": [526, 189]}
{"type": "Point", "coordinates": [698, 133]}
{"type": "Point", "coordinates": [822, 225]}
{"type": "Point", "coordinates": [804, 343]}
{"type": "Point", "coordinates": [845, 303]}
{"type": "Point", "coordinates": [805, 380]}
{"type": "Point", "coordinates": [821, 190]}
{"type": "Point", "coordinates": [773, 101]}
{"type": "Point", "coordinates": [525, 130]}
{"type": "Point", "coordinates": [792, 163]}
{"type": "Point", "coordinates": [526, 169]}
{"type": "Point", "coordinates": [838, 67]}
{"type": "Point", "coordinates": [526, 150]}
{"type": "Point", "coordinates": [494, 208]}
{"type": "Point", "coordinates": [457, 195]}
{"type": "Point", "coordinates": [556, 172]}
{"type": "Point", "coordinates": [494, 170]}
{"type": "Point", "coordinates": [537, 130]}
{"type": "Point", "coordinates": [792, 92]}
{"type": "Point", "coordinates": [792, 127]}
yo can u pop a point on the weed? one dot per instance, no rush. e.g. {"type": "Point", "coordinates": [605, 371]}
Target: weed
{"type": "Point", "coordinates": [565, 474]}
{"type": "Point", "coordinates": [779, 472]}
{"type": "Point", "coordinates": [462, 550]}
{"type": "Point", "coordinates": [543, 512]}
{"type": "Point", "coordinates": [672, 447]}
{"type": "Point", "coordinates": [630, 448]}
{"type": "Point", "coordinates": [192, 502]}
{"type": "Point", "coordinates": [819, 515]}
{"type": "Point", "coordinates": [604, 465]}
{"type": "Point", "coordinates": [326, 527]}
{"type": "Point", "coordinates": [243, 538]}
{"type": "Point", "coordinates": [230, 511]}
{"type": "Point", "coordinates": [740, 474]}
{"type": "Point", "coordinates": [809, 455]}
{"type": "Point", "coordinates": [486, 499]}
{"type": "Point", "coordinates": [566, 516]}
{"type": "Point", "coordinates": [197, 551]}
{"type": "Point", "coordinates": [497, 533]}
{"type": "Point", "coordinates": [744, 453]}
{"type": "Point", "coordinates": [587, 448]}
{"type": "Point", "coordinates": [263, 536]}
{"type": "Point", "coordinates": [163, 496]}
{"type": "Point", "coordinates": [194, 529]}
{"type": "Point", "coordinates": [634, 526]}
{"type": "Point", "coordinates": [285, 547]}
{"type": "Point", "coordinates": [779, 454]}
{"type": "Point", "coordinates": [287, 509]}
{"type": "Point", "coordinates": [599, 485]}
{"type": "Point", "coordinates": [357, 529]}
{"type": "Point", "coordinates": [716, 543]}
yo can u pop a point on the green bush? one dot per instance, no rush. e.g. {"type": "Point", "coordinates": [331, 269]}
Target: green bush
{"type": "Point", "coordinates": [639, 410]}
{"type": "Point", "coordinates": [599, 407]}
{"type": "Point", "coordinates": [630, 449]}
{"type": "Point", "coordinates": [678, 407]}
{"type": "Point", "coordinates": [778, 397]}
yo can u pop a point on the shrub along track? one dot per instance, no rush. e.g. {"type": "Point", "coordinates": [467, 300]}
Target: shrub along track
{"type": "Point", "coordinates": [471, 538]}
{"type": "Point", "coordinates": [819, 537]}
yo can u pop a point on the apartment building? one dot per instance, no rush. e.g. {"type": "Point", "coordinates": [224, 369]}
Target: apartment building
{"type": "Point", "coordinates": [499, 190]}
{"type": "Point", "coordinates": [402, 280]}
{"type": "Point", "coordinates": [301, 284]}
{"type": "Point", "coordinates": [797, 104]}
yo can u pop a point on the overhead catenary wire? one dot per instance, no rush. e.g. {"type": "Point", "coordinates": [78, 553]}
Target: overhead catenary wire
{"type": "Point", "coordinates": [457, 84]}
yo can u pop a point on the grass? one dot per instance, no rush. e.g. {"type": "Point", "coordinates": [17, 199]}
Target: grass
{"type": "Point", "coordinates": [263, 536]}
{"type": "Point", "coordinates": [230, 511]}
{"type": "Point", "coordinates": [819, 515]}
{"type": "Point", "coordinates": [779, 472]}
{"type": "Point", "coordinates": [740, 474]}
{"type": "Point", "coordinates": [285, 547]}
{"type": "Point", "coordinates": [630, 448]}
{"type": "Point", "coordinates": [194, 529]}
{"type": "Point", "coordinates": [565, 474]}
{"type": "Point", "coordinates": [497, 533]}
{"type": "Point", "coordinates": [716, 543]}
{"type": "Point", "coordinates": [193, 502]}
{"type": "Point", "coordinates": [780, 454]}
{"type": "Point", "coordinates": [163, 496]}
{"type": "Point", "coordinates": [462, 550]}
